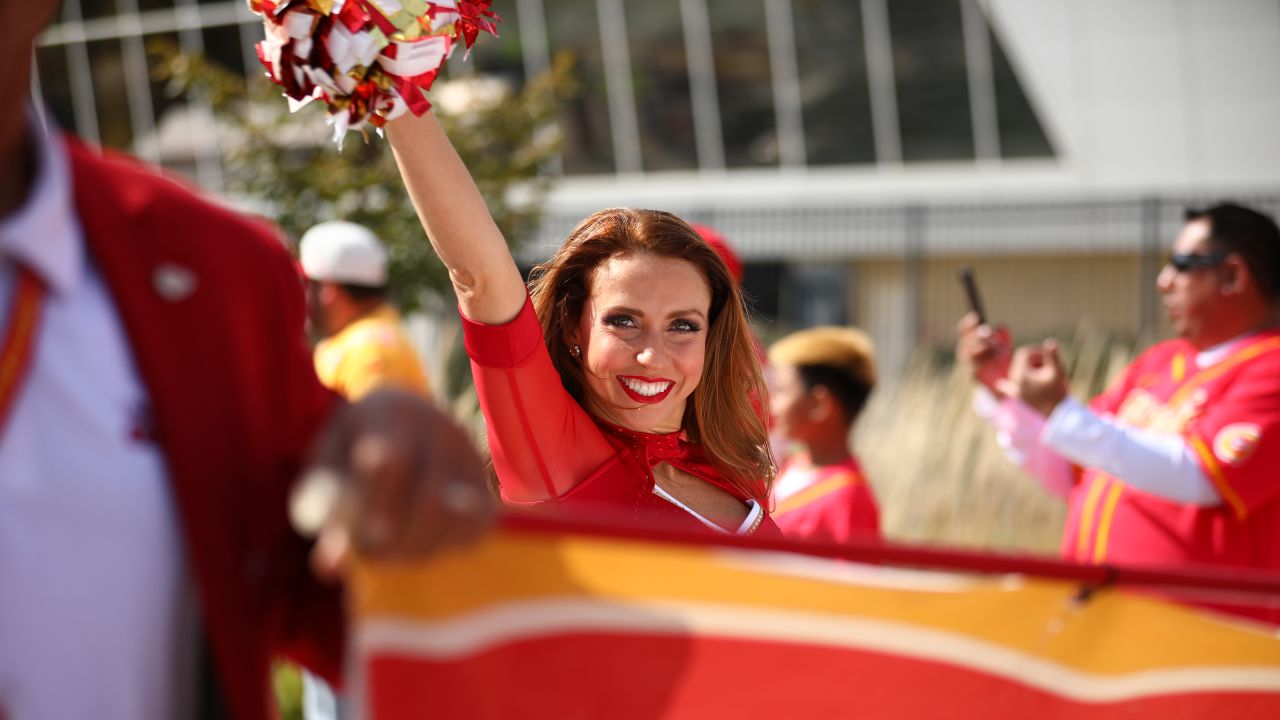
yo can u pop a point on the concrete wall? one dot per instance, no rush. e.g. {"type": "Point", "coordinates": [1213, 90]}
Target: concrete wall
{"type": "Point", "coordinates": [1153, 94]}
{"type": "Point", "coordinates": [1035, 296]}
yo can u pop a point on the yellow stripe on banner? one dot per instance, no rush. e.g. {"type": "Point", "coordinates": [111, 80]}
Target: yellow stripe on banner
{"type": "Point", "coordinates": [1219, 478]}
{"type": "Point", "coordinates": [1113, 634]}
{"type": "Point", "coordinates": [1104, 526]}
{"type": "Point", "coordinates": [1085, 532]}
{"type": "Point", "coordinates": [817, 492]}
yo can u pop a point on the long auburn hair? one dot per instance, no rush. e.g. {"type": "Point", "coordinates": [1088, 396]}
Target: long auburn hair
{"type": "Point", "coordinates": [725, 411]}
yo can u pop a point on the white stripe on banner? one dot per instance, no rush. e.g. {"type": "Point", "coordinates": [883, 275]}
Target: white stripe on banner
{"type": "Point", "coordinates": [511, 622]}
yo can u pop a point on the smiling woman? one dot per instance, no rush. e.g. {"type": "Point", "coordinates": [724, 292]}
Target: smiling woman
{"type": "Point", "coordinates": [658, 413]}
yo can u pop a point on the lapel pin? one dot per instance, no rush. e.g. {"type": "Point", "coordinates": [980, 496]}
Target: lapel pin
{"type": "Point", "coordinates": [173, 282]}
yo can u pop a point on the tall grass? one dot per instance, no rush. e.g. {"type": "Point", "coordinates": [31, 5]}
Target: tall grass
{"type": "Point", "coordinates": [936, 469]}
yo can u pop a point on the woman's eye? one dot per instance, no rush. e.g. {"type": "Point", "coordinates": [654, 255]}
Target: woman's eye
{"type": "Point", "coordinates": [621, 321]}
{"type": "Point", "coordinates": [685, 326]}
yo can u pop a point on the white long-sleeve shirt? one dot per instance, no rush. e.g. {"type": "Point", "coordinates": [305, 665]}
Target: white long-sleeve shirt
{"type": "Point", "coordinates": [1158, 463]}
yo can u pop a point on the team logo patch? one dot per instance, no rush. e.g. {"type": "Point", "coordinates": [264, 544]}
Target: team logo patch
{"type": "Point", "coordinates": [1236, 442]}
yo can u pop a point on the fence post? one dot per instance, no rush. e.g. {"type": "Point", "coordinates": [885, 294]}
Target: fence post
{"type": "Point", "coordinates": [1148, 269]}
{"type": "Point", "coordinates": [913, 272]}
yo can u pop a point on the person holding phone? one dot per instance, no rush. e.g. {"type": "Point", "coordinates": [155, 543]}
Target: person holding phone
{"type": "Point", "coordinates": [1175, 463]}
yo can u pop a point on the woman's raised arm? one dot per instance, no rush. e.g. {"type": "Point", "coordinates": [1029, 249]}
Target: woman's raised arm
{"type": "Point", "coordinates": [484, 275]}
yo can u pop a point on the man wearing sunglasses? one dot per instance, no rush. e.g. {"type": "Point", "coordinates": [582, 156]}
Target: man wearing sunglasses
{"type": "Point", "coordinates": [1176, 463]}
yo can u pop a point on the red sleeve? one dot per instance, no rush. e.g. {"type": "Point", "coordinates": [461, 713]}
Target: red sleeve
{"type": "Point", "coordinates": [543, 443]}
{"type": "Point", "coordinates": [1237, 438]}
{"type": "Point", "coordinates": [307, 614]}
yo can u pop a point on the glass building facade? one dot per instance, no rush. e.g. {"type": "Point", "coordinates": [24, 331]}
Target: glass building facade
{"type": "Point", "coordinates": [663, 85]}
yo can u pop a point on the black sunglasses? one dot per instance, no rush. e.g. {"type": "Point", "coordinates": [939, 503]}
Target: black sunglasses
{"type": "Point", "coordinates": [1188, 262]}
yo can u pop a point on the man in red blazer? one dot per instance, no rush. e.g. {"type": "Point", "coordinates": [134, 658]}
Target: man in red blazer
{"type": "Point", "coordinates": [214, 397]}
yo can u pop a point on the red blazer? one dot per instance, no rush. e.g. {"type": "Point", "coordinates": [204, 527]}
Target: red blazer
{"type": "Point", "coordinates": [214, 314]}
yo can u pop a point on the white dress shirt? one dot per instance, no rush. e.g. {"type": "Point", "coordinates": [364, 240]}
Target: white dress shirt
{"type": "Point", "coordinates": [92, 571]}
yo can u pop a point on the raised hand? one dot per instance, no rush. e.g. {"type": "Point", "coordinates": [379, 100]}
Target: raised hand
{"type": "Point", "coordinates": [395, 479]}
{"type": "Point", "coordinates": [1037, 377]}
{"type": "Point", "coordinates": [987, 351]}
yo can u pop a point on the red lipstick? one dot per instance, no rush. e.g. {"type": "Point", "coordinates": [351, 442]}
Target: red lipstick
{"type": "Point", "coordinates": [649, 399]}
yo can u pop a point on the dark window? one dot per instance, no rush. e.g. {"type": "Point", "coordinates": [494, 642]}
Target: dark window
{"type": "Point", "coordinates": [588, 144]}
{"type": "Point", "coordinates": [761, 284]}
{"type": "Point", "coordinates": [504, 55]}
{"type": "Point", "coordinates": [744, 82]}
{"type": "Point", "coordinates": [55, 85]}
{"type": "Point", "coordinates": [815, 294]}
{"type": "Point", "coordinates": [167, 105]}
{"type": "Point", "coordinates": [1021, 134]}
{"type": "Point", "coordinates": [833, 82]}
{"type": "Point", "coordinates": [933, 88]}
{"type": "Point", "coordinates": [222, 46]}
{"type": "Point", "coordinates": [660, 78]}
{"type": "Point", "coordinates": [110, 94]}
{"type": "Point", "coordinates": [95, 8]}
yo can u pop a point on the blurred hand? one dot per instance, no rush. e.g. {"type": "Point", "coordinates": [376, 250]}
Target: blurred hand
{"type": "Point", "coordinates": [985, 350]}
{"type": "Point", "coordinates": [394, 479]}
{"type": "Point", "coordinates": [1037, 377]}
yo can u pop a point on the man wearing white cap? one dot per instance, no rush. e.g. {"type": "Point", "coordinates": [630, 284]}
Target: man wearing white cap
{"type": "Point", "coordinates": [364, 346]}
{"type": "Point", "coordinates": [364, 343]}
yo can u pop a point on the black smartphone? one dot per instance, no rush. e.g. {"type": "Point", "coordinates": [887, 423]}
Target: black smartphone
{"type": "Point", "coordinates": [971, 290]}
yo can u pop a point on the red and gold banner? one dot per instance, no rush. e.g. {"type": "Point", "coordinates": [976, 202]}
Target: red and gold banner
{"type": "Point", "coordinates": [542, 624]}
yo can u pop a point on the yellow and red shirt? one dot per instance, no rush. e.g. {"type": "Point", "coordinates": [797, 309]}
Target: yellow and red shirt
{"type": "Point", "coordinates": [368, 353]}
{"type": "Point", "coordinates": [832, 503]}
{"type": "Point", "coordinates": [1229, 415]}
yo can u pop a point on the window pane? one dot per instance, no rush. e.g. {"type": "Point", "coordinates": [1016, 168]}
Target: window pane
{"type": "Point", "coordinates": [588, 142]}
{"type": "Point", "coordinates": [55, 85]}
{"type": "Point", "coordinates": [816, 294]}
{"type": "Point", "coordinates": [222, 45]}
{"type": "Point", "coordinates": [172, 115]}
{"type": "Point", "coordinates": [744, 83]}
{"type": "Point", "coordinates": [1021, 134]}
{"type": "Point", "coordinates": [933, 88]}
{"type": "Point", "coordinates": [503, 55]}
{"type": "Point", "coordinates": [762, 286]}
{"type": "Point", "coordinates": [110, 95]}
{"type": "Point", "coordinates": [95, 8]}
{"type": "Point", "coordinates": [660, 76]}
{"type": "Point", "coordinates": [833, 82]}
{"type": "Point", "coordinates": [145, 5]}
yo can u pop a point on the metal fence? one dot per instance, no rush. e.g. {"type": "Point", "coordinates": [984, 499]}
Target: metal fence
{"type": "Point", "coordinates": [1045, 266]}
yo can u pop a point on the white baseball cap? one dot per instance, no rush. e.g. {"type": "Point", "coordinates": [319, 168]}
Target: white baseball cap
{"type": "Point", "coordinates": [343, 252]}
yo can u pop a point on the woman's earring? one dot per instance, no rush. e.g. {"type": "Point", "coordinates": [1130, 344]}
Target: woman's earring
{"type": "Point", "coordinates": [575, 351]}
